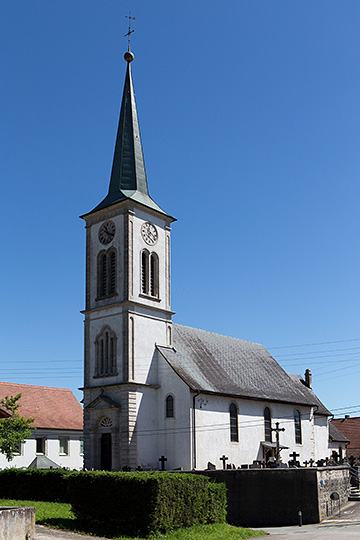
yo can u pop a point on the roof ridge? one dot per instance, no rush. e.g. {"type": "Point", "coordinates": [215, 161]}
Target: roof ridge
{"type": "Point", "coordinates": [36, 386]}
{"type": "Point", "coordinates": [218, 334]}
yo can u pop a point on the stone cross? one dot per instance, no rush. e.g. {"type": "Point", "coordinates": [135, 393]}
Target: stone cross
{"type": "Point", "coordinates": [294, 455]}
{"type": "Point", "coordinates": [162, 459]}
{"type": "Point", "coordinates": [277, 430]}
{"type": "Point", "coordinates": [311, 461]}
{"type": "Point", "coordinates": [223, 459]}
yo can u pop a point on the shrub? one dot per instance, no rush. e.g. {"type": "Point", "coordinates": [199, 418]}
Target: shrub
{"type": "Point", "coordinates": [140, 503]}
{"type": "Point", "coordinates": [35, 484]}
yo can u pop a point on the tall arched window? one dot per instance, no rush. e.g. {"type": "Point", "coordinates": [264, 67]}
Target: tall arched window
{"type": "Point", "coordinates": [154, 275]}
{"type": "Point", "coordinates": [145, 272]}
{"type": "Point", "coordinates": [234, 429]}
{"type": "Point", "coordinates": [149, 274]}
{"type": "Point", "coordinates": [105, 349]}
{"type": "Point", "coordinates": [106, 274]}
{"type": "Point", "coordinates": [297, 423]}
{"type": "Point", "coordinates": [169, 407]}
{"type": "Point", "coordinates": [267, 424]}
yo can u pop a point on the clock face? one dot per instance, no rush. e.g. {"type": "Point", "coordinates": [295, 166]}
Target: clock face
{"type": "Point", "coordinates": [107, 232]}
{"type": "Point", "coordinates": [149, 233]}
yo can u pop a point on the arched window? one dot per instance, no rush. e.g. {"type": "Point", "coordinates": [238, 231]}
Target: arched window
{"type": "Point", "coordinates": [267, 424]}
{"type": "Point", "coordinates": [297, 422]}
{"type": "Point", "coordinates": [149, 274]}
{"type": "Point", "coordinates": [154, 275]}
{"type": "Point", "coordinates": [169, 407]}
{"type": "Point", "coordinates": [105, 349]}
{"type": "Point", "coordinates": [145, 272]}
{"type": "Point", "coordinates": [106, 275]}
{"type": "Point", "coordinates": [234, 430]}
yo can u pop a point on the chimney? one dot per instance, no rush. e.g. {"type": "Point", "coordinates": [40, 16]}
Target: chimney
{"type": "Point", "coordinates": [347, 416]}
{"type": "Point", "coordinates": [308, 378]}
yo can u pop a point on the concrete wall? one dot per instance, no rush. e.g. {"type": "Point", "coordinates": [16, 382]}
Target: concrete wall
{"type": "Point", "coordinates": [17, 523]}
{"type": "Point", "coordinates": [273, 497]}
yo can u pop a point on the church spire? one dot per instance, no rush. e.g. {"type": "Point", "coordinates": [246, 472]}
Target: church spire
{"type": "Point", "coordinates": [128, 175]}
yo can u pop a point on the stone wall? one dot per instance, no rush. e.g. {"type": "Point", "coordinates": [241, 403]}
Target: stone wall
{"type": "Point", "coordinates": [17, 523]}
{"type": "Point", "coordinates": [274, 497]}
{"type": "Point", "coordinates": [332, 481]}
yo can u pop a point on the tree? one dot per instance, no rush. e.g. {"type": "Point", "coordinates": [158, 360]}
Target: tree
{"type": "Point", "coordinates": [14, 429]}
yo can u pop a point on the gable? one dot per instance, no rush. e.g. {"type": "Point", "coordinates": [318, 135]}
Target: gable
{"type": "Point", "coordinates": [219, 364]}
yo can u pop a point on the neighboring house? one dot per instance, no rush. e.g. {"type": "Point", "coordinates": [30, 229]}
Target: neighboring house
{"type": "Point", "coordinates": [160, 394]}
{"type": "Point", "coordinates": [58, 421]}
{"type": "Point", "coordinates": [337, 443]}
{"type": "Point", "coordinates": [350, 428]}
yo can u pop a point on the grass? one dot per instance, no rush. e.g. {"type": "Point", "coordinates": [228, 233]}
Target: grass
{"type": "Point", "coordinates": [60, 516]}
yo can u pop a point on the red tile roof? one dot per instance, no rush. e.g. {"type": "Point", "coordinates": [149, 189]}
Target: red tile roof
{"type": "Point", "coordinates": [53, 408]}
{"type": "Point", "coordinates": [350, 427]}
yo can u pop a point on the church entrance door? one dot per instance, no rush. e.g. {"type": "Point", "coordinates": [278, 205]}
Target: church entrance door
{"type": "Point", "coordinates": [106, 463]}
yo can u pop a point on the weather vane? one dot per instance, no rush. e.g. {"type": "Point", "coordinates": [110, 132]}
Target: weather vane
{"type": "Point", "coordinates": [129, 31]}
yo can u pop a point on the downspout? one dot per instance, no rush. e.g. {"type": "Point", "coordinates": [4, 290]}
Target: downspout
{"type": "Point", "coordinates": [194, 428]}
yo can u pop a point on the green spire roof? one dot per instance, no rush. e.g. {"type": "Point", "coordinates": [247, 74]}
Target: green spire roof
{"type": "Point", "coordinates": [128, 175]}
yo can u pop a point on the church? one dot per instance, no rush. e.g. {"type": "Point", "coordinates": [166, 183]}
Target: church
{"type": "Point", "coordinates": [157, 394]}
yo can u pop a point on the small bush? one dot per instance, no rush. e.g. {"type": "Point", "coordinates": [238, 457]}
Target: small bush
{"type": "Point", "coordinates": [35, 484]}
{"type": "Point", "coordinates": [140, 503]}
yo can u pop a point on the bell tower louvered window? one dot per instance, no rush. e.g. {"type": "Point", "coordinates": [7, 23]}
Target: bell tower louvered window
{"type": "Point", "coordinates": [105, 346]}
{"type": "Point", "coordinates": [106, 274]}
{"type": "Point", "coordinates": [149, 274]}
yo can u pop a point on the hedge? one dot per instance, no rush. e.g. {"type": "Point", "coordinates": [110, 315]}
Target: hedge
{"type": "Point", "coordinates": [141, 503]}
{"type": "Point", "coordinates": [35, 484]}
{"type": "Point", "coordinates": [123, 503]}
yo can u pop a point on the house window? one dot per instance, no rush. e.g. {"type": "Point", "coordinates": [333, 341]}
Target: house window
{"type": "Point", "coordinates": [106, 273]}
{"type": "Point", "coordinates": [63, 445]}
{"type": "Point", "coordinates": [149, 274]}
{"type": "Point", "coordinates": [169, 407]}
{"type": "Point", "coordinates": [297, 422]}
{"type": "Point", "coordinates": [267, 424]}
{"type": "Point", "coordinates": [234, 430]}
{"type": "Point", "coordinates": [105, 346]}
{"type": "Point", "coordinates": [40, 445]}
{"type": "Point", "coordinates": [81, 441]}
{"type": "Point", "coordinates": [18, 451]}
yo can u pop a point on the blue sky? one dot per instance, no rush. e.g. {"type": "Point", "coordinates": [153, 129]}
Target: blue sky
{"type": "Point", "coordinates": [250, 119]}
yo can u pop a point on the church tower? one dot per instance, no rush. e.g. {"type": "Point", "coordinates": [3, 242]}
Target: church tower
{"type": "Point", "coordinates": [127, 308]}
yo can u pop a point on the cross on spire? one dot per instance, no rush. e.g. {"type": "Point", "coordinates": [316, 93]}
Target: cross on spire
{"type": "Point", "coordinates": [129, 30]}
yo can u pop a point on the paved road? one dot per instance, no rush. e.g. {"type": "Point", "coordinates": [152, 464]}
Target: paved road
{"type": "Point", "coordinates": [345, 526]}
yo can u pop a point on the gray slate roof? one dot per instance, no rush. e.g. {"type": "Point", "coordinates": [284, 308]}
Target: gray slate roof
{"type": "Point", "coordinates": [335, 435]}
{"type": "Point", "coordinates": [300, 383]}
{"type": "Point", "coordinates": [224, 365]}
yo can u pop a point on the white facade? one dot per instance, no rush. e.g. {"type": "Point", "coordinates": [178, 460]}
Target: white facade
{"type": "Point", "coordinates": [64, 448]}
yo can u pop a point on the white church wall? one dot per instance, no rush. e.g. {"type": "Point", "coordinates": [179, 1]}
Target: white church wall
{"type": "Point", "coordinates": [321, 437]}
{"type": "Point", "coordinates": [213, 431]}
{"type": "Point", "coordinates": [174, 433]}
{"type": "Point", "coordinates": [72, 460]}
{"type": "Point", "coordinates": [147, 428]}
